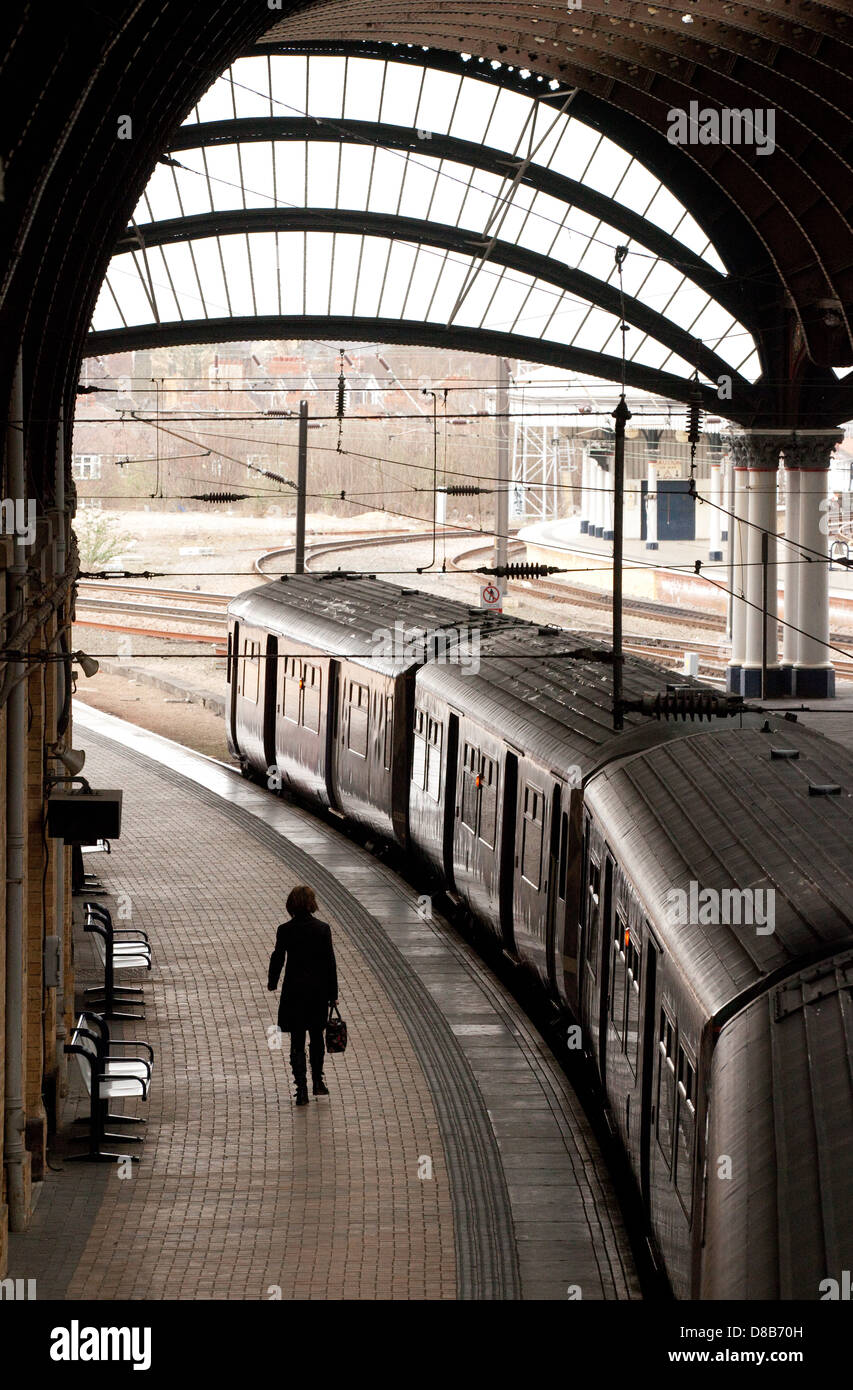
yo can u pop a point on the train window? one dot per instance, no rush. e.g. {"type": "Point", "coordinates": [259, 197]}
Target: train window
{"type": "Point", "coordinates": [292, 689]}
{"type": "Point", "coordinates": [632, 1007]}
{"type": "Point", "coordinates": [488, 800]}
{"type": "Point", "coordinates": [470, 788]}
{"type": "Point", "coordinates": [389, 731]}
{"type": "Point", "coordinates": [685, 1128]}
{"type": "Point", "coordinates": [593, 892]}
{"type": "Point", "coordinates": [251, 671]}
{"type": "Point", "coordinates": [666, 1086]}
{"type": "Point", "coordinates": [312, 686]}
{"type": "Point", "coordinates": [531, 844]}
{"type": "Point", "coordinates": [434, 745]}
{"type": "Point", "coordinates": [359, 711]}
{"type": "Point", "coordinates": [594, 879]}
{"type": "Point", "coordinates": [419, 751]}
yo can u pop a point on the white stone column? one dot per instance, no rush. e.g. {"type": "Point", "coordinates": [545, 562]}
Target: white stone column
{"type": "Point", "coordinates": [585, 494]}
{"type": "Point", "coordinates": [652, 508]}
{"type": "Point", "coordinates": [715, 547]}
{"type": "Point", "coordinates": [791, 575]}
{"type": "Point", "coordinates": [607, 523]}
{"type": "Point", "coordinates": [762, 521]}
{"type": "Point", "coordinates": [597, 527]}
{"type": "Point", "coordinates": [755, 459]}
{"type": "Point", "coordinates": [725, 476]}
{"type": "Point", "coordinates": [814, 674]}
{"type": "Point", "coordinates": [738, 532]}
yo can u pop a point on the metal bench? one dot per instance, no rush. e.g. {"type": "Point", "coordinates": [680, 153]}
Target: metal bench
{"type": "Point", "coordinates": [116, 954]}
{"type": "Point", "coordinates": [106, 1078]}
{"type": "Point", "coordinates": [90, 883]}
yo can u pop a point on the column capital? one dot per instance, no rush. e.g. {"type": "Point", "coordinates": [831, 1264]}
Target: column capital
{"type": "Point", "coordinates": [811, 451]}
{"type": "Point", "coordinates": [756, 450]}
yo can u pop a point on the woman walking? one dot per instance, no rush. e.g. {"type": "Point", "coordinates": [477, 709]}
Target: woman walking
{"type": "Point", "coordinates": [310, 986]}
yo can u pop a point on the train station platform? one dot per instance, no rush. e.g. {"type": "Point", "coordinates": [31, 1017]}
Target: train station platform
{"type": "Point", "coordinates": [452, 1159]}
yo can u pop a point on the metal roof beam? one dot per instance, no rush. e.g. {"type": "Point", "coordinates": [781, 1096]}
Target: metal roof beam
{"type": "Point", "coordinates": [744, 409]}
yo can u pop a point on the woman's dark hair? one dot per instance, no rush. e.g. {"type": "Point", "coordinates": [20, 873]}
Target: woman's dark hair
{"type": "Point", "coordinates": [301, 899]}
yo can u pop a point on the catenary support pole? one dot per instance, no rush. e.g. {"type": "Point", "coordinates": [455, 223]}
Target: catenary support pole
{"type": "Point", "coordinates": [621, 415]}
{"type": "Point", "coordinates": [502, 499]}
{"type": "Point", "coordinates": [301, 485]}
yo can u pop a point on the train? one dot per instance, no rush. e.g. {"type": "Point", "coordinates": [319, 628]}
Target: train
{"type": "Point", "coordinates": [681, 888]}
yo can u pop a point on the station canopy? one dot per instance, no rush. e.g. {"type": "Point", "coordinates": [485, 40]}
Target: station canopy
{"type": "Point", "coordinates": [322, 194]}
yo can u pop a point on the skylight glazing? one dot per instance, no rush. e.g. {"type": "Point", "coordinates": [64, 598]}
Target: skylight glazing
{"type": "Point", "coordinates": [368, 274]}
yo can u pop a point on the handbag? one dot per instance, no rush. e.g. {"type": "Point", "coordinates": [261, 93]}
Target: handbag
{"type": "Point", "coordinates": [336, 1031]}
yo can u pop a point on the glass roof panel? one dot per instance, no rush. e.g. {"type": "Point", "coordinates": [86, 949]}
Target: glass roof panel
{"type": "Point", "coordinates": [363, 98]}
{"type": "Point", "coordinates": [326, 87]}
{"type": "Point", "coordinates": [437, 99]}
{"type": "Point", "coordinates": [473, 111]}
{"type": "Point", "coordinates": [289, 85]}
{"type": "Point", "coordinates": [251, 87]}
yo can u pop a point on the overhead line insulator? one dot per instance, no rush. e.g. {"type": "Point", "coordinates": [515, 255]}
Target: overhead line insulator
{"type": "Point", "coordinates": [686, 703]}
{"type": "Point", "coordinates": [220, 497]}
{"type": "Point", "coordinates": [519, 570]}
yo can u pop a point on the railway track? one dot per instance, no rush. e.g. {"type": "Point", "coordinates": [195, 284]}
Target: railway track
{"type": "Point", "coordinates": [209, 610]}
{"type": "Point", "coordinates": [318, 549]}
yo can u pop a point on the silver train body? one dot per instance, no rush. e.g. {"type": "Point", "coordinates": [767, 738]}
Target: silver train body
{"type": "Point", "coordinates": [684, 889]}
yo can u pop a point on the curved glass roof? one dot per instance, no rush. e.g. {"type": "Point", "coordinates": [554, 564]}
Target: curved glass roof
{"type": "Point", "coordinates": [218, 266]}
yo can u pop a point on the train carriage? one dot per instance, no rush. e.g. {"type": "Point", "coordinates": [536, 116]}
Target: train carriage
{"type": "Point", "coordinates": [496, 792]}
{"type": "Point", "coordinates": [321, 678]}
{"type": "Point", "coordinates": [704, 901]}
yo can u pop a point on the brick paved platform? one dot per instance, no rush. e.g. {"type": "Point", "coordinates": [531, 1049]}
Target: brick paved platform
{"type": "Point", "coordinates": [238, 1193]}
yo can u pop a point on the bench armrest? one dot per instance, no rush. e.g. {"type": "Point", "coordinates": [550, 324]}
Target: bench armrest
{"type": "Point", "coordinates": [130, 931]}
{"type": "Point", "coordinates": [133, 1042]}
{"type": "Point", "coordinates": [96, 910]}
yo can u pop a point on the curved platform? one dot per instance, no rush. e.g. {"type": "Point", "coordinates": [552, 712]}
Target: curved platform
{"type": "Point", "coordinates": [452, 1159]}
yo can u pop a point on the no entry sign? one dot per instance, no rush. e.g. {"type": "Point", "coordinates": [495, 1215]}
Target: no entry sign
{"type": "Point", "coordinates": [491, 597]}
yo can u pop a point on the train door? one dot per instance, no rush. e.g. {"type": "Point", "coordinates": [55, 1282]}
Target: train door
{"type": "Point", "coordinates": [558, 841]}
{"type": "Point", "coordinates": [450, 790]}
{"type": "Point", "coordinates": [331, 749]}
{"type": "Point", "coordinates": [234, 680]}
{"type": "Point", "coordinates": [649, 1042]}
{"type": "Point", "coordinates": [269, 698]}
{"type": "Point", "coordinates": [507, 870]}
{"type": "Point", "coordinates": [605, 938]}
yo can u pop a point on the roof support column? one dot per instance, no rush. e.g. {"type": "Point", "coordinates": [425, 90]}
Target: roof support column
{"type": "Point", "coordinates": [762, 459]}
{"type": "Point", "coordinates": [814, 675]}
{"type": "Point", "coordinates": [715, 551]}
{"type": "Point", "coordinates": [586, 495]}
{"type": "Point", "coordinates": [738, 531]}
{"type": "Point", "coordinates": [792, 565]}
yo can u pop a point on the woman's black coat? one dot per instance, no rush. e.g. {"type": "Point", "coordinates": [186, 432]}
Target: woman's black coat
{"type": "Point", "coordinates": [310, 976]}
